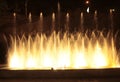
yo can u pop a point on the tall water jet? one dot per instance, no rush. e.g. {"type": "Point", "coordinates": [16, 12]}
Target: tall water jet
{"type": "Point", "coordinates": [81, 21]}
{"type": "Point", "coordinates": [30, 17]}
{"type": "Point", "coordinates": [14, 23]}
{"type": "Point", "coordinates": [111, 18]}
{"type": "Point", "coordinates": [95, 19]}
{"type": "Point", "coordinates": [53, 21]}
{"type": "Point", "coordinates": [67, 22]}
{"type": "Point", "coordinates": [41, 22]}
{"type": "Point", "coordinates": [59, 26]}
{"type": "Point", "coordinates": [29, 22]}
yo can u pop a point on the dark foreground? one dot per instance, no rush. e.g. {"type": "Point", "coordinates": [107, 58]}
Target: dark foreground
{"type": "Point", "coordinates": [82, 75]}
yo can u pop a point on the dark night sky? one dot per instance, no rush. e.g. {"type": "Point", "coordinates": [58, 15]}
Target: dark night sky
{"type": "Point", "coordinates": [51, 5]}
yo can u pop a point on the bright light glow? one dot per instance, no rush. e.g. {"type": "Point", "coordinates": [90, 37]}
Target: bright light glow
{"type": "Point", "coordinates": [88, 10]}
{"type": "Point", "coordinates": [99, 57]}
{"type": "Point", "coordinates": [41, 14]}
{"type": "Point", "coordinates": [87, 2]}
{"type": "Point", "coordinates": [14, 14]}
{"type": "Point", "coordinates": [76, 51]}
{"type": "Point", "coordinates": [112, 10]}
{"type": "Point", "coordinates": [67, 15]}
{"type": "Point", "coordinates": [30, 17]}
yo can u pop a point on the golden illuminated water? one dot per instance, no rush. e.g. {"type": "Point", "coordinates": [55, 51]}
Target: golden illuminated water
{"type": "Point", "coordinates": [76, 51]}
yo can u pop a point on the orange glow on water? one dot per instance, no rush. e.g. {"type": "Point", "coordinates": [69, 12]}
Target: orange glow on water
{"type": "Point", "coordinates": [76, 51]}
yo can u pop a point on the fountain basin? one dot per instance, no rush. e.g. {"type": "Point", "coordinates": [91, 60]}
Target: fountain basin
{"type": "Point", "coordinates": [61, 74]}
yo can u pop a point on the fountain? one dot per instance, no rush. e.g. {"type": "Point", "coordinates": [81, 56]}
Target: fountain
{"type": "Point", "coordinates": [63, 50]}
{"type": "Point", "coordinates": [67, 55]}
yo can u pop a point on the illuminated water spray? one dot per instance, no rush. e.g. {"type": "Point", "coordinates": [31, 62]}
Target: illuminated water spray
{"type": "Point", "coordinates": [81, 20]}
{"type": "Point", "coordinates": [30, 17]}
{"type": "Point", "coordinates": [41, 22]}
{"type": "Point", "coordinates": [66, 52]}
{"type": "Point", "coordinates": [53, 22]}
{"type": "Point", "coordinates": [59, 20]}
{"type": "Point", "coordinates": [67, 22]}
{"type": "Point", "coordinates": [14, 23]}
{"type": "Point", "coordinates": [96, 19]}
{"type": "Point", "coordinates": [62, 50]}
{"type": "Point", "coordinates": [111, 17]}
